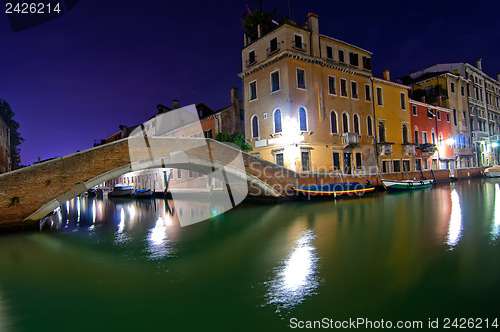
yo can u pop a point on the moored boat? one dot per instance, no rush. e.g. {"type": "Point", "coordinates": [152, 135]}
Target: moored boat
{"type": "Point", "coordinates": [121, 190]}
{"type": "Point", "coordinates": [492, 172]}
{"type": "Point", "coordinates": [407, 184]}
{"type": "Point", "coordinates": [142, 193]}
{"type": "Point", "coordinates": [335, 189]}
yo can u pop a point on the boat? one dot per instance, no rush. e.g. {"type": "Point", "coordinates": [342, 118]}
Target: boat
{"type": "Point", "coordinates": [121, 190]}
{"type": "Point", "coordinates": [142, 193]}
{"type": "Point", "coordinates": [335, 189]}
{"type": "Point", "coordinates": [407, 184]}
{"type": "Point", "coordinates": [492, 172]}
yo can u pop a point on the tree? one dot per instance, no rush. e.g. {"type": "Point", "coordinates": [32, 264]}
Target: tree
{"type": "Point", "coordinates": [235, 138]}
{"type": "Point", "coordinates": [15, 137]}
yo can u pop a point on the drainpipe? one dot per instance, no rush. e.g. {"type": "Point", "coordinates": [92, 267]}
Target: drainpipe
{"type": "Point", "coordinates": [374, 130]}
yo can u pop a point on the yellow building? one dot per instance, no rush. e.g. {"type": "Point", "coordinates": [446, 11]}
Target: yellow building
{"type": "Point", "coordinates": [394, 142]}
{"type": "Point", "coordinates": [308, 99]}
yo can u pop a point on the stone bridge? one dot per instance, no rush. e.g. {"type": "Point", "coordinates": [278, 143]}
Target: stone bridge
{"type": "Point", "coordinates": [29, 194]}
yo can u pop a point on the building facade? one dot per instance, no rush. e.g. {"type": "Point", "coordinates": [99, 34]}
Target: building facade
{"type": "Point", "coordinates": [308, 99]}
{"type": "Point", "coordinates": [4, 147]}
{"type": "Point", "coordinates": [395, 146]}
{"type": "Point", "coordinates": [432, 135]}
{"type": "Point", "coordinates": [475, 97]}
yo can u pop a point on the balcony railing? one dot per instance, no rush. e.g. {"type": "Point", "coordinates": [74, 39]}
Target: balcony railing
{"type": "Point", "coordinates": [350, 138]}
{"type": "Point", "coordinates": [299, 46]}
{"type": "Point", "coordinates": [477, 134]}
{"type": "Point", "coordinates": [250, 62]}
{"type": "Point", "coordinates": [409, 149]}
{"type": "Point", "coordinates": [272, 50]}
{"type": "Point", "coordinates": [384, 149]}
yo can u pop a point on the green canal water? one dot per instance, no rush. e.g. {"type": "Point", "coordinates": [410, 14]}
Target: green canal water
{"type": "Point", "coordinates": [125, 265]}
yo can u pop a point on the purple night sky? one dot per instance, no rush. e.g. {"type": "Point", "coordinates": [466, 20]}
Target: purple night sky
{"type": "Point", "coordinates": [104, 63]}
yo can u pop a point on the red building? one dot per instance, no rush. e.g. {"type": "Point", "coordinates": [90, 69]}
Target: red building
{"type": "Point", "coordinates": [432, 136]}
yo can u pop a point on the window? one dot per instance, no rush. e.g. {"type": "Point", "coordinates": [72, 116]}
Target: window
{"type": "Point", "coordinates": [273, 45]}
{"type": "Point", "coordinates": [208, 133]}
{"type": "Point", "coordinates": [354, 89]}
{"type": "Point", "coordinates": [347, 163]}
{"type": "Point", "coordinates": [447, 117]}
{"type": "Point", "coordinates": [301, 78]}
{"type": "Point", "coordinates": [251, 57]}
{"type": "Point", "coordinates": [403, 100]}
{"type": "Point", "coordinates": [345, 123]}
{"type": "Point", "coordinates": [356, 124]}
{"type": "Point", "coordinates": [200, 175]}
{"type": "Point", "coordinates": [275, 81]}
{"type": "Point", "coordinates": [452, 87]}
{"type": "Point", "coordinates": [279, 158]}
{"type": "Point", "coordinates": [405, 134]}
{"type": "Point", "coordinates": [433, 136]}
{"type": "Point", "coordinates": [332, 86]}
{"type": "Point", "coordinates": [415, 137]}
{"type": "Point", "coordinates": [358, 160]}
{"type": "Point", "coordinates": [418, 164]}
{"type": "Point", "coordinates": [343, 87]}
{"type": "Point", "coordinates": [381, 132]}
{"type": "Point", "coordinates": [298, 42]}
{"type": "Point", "coordinates": [336, 161]}
{"type": "Point", "coordinates": [424, 137]}
{"type": "Point", "coordinates": [386, 166]}
{"type": "Point", "coordinates": [380, 97]}
{"type": "Point", "coordinates": [333, 122]}
{"type": "Point", "coordinates": [430, 113]}
{"type": "Point", "coordinates": [440, 138]}
{"type": "Point", "coordinates": [369, 125]}
{"type": "Point", "coordinates": [462, 90]}
{"type": "Point", "coordinates": [354, 59]}
{"type": "Point", "coordinates": [190, 174]}
{"type": "Point", "coordinates": [367, 63]}
{"type": "Point", "coordinates": [179, 173]}
{"type": "Point", "coordinates": [341, 56]}
{"type": "Point", "coordinates": [306, 161]}
{"type": "Point", "coordinates": [368, 93]}
{"type": "Point", "coordinates": [406, 166]}
{"type": "Point", "coordinates": [253, 90]}
{"type": "Point", "coordinates": [302, 119]}
{"type": "Point", "coordinates": [277, 121]}
{"type": "Point", "coordinates": [329, 52]}
{"type": "Point", "coordinates": [255, 127]}
{"type": "Point", "coordinates": [414, 110]}
{"type": "Point", "coordinates": [439, 115]}
{"type": "Point", "coordinates": [396, 164]}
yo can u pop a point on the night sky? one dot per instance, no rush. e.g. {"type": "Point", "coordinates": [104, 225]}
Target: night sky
{"type": "Point", "coordinates": [76, 78]}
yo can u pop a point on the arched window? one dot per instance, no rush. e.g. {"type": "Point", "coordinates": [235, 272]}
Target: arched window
{"type": "Point", "coordinates": [345, 122]}
{"type": "Point", "coordinates": [333, 122]}
{"type": "Point", "coordinates": [277, 121]}
{"type": "Point", "coordinates": [302, 119]}
{"type": "Point", "coordinates": [255, 126]}
{"type": "Point", "coordinates": [381, 132]}
{"type": "Point", "coordinates": [369, 124]}
{"type": "Point", "coordinates": [405, 133]}
{"type": "Point", "coordinates": [440, 138]}
{"type": "Point", "coordinates": [356, 124]}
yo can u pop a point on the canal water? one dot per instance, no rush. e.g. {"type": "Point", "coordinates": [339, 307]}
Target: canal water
{"type": "Point", "coordinates": [127, 265]}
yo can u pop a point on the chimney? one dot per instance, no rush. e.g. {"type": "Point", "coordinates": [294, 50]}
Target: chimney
{"type": "Point", "coordinates": [478, 64]}
{"type": "Point", "coordinates": [387, 75]}
{"type": "Point", "coordinates": [312, 21]}
{"type": "Point", "coordinates": [440, 101]}
{"type": "Point", "coordinates": [423, 99]}
{"type": "Point", "coordinates": [175, 104]}
{"type": "Point", "coordinates": [234, 116]}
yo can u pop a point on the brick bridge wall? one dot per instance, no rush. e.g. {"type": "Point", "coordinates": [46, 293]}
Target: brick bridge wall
{"type": "Point", "coordinates": [25, 191]}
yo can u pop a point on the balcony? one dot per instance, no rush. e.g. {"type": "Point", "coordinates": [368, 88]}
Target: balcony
{"type": "Point", "coordinates": [350, 139]}
{"type": "Point", "coordinates": [427, 148]}
{"type": "Point", "coordinates": [250, 62]}
{"type": "Point", "coordinates": [272, 50]}
{"type": "Point", "coordinates": [385, 148]}
{"type": "Point", "coordinates": [408, 149]}
{"type": "Point", "coordinates": [299, 46]}
{"type": "Point", "coordinates": [478, 135]}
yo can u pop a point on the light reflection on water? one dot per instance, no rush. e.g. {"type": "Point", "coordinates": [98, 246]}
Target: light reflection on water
{"type": "Point", "coordinates": [158, 244]}
{"type": "Point", "coordinates": [455, 225]}
{"type": "Point", "coordinates": [297, 276]}
{"type": "Point", "coordinates": [495, 226]}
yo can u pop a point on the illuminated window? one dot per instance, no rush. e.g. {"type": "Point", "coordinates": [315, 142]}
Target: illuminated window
{"type": "Point", "coordinates": [302, 119]}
